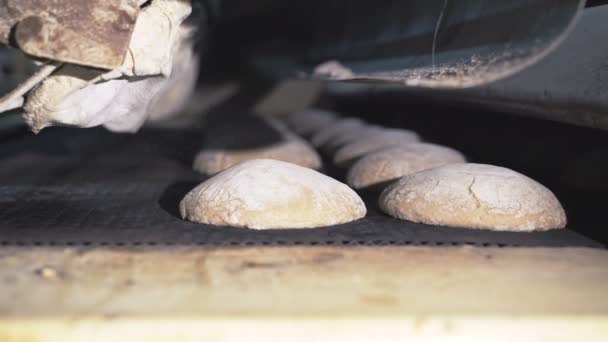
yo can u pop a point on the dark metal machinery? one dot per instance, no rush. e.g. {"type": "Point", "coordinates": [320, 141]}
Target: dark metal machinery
{"type": "Point", "coordinates": [439, 43]}
{"type": "Point", "coordinates": [499, 55]}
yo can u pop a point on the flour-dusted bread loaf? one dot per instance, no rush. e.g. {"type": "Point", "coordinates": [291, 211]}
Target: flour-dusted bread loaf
{"type": "Point", "coordinates": [335, 129]}
{"type": "Point", "coordinates": [346, 155]}
{"type": "Point", "coordinates": [310, 121]}
{"type": "Point", "coordinates": [268, 194]}
{"type": "Point", "coordinates": [383, 166]}
{"type": "Point", "coordinates": [474, 196]}
{"type": "Point", "coordinates": [296, 151]}
{"type": "Point", "coordinates": [349, 136]}
{"type": "Point", "coordinates": [242, 139]}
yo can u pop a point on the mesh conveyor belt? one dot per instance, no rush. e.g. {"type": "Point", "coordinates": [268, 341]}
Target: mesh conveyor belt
{"type": "Point", "coordinates": [91, 187]}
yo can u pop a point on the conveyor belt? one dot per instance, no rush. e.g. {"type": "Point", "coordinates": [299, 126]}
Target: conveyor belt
{"type": "Point", "coordinates": [91, 187]}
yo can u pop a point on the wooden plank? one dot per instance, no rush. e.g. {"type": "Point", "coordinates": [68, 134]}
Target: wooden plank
{"type": "Point", "coordinates": [116, 289]}
{"type": "Point", "coordinates": [230, 329]}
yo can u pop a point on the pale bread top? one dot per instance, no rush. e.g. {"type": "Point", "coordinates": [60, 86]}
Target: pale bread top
{"type": "Point", "coordinates": [267, 194]}
{"type": "Point", "coordinates": [334, 129]}
{"type": "Point", "coordinates": [296, 151]}
{"type": "Point", "coordinates": [350, 152]}
{"type": "Point", "coordinates": [389, 164]}
{"type": "Point", "coordinates": [287, 147]}
{"type": "Point", "coordinates": [474, 196]}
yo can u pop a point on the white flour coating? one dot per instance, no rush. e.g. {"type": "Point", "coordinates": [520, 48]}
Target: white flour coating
{"type": "Point", "coordinates": [40, 108]}
{"type": "Point", "coordinates": [118, 104]}
{"type": "Point", "coordinates": [296, 151]}
{"type": "Point", "coordinates": [156, 32]}
{"type": "Point", "coordinates": [86, 97]}
{"type": "Point", "coordinates": [267, 194]}
{"type": "Point", "coordinates": [179, 88]}
{"type": "Point", "coordinates": [334, 129]}
{"type": "Point", "coordinates": [389, 164]}
{"type": "Point", "coordinates": [333, 70]}
{"type": "Point", "coordinates": [309, 121]}
{"type": "Point", "coordinates": [350, 152]}
{"type": "Point", "coordinates": [474, 196]}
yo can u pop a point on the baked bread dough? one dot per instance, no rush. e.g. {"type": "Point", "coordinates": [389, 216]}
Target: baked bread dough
{"type": "Point", "coordinates": [474, 196]}
{"type": "Point", "coordinates": [349, 153]}
{"type": "Point", "coordinates": [250, 139]}
{"type": "Point", "coordinates": [292, 150]}
{"type": "Point", "coordinates": [386, 165]}
{"type": "Point", "coordinates": [349, 136]}
{"type": "Point", "coordinates": [337, 128]}
{"type": "Point", "coordinates": [366, 132]}
{"type": "Point", "coordinates": [309, 121]}
{"type": "Point", "coordinates": [268, 194]}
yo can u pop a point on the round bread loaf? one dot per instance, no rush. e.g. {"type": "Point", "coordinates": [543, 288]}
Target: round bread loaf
{"type": "Point", "coordinates": [292, 150]}
{"type": "Point", "coordinates": [386, 165]}
{"type": "Point", "coordinates": [474, 196]}
{"type": "Point", "coordinates": [268, 194]}
{"type": "Point", "coordinates": [309, 121]}
{"type": "Point", "coordinates": [349, 153]}
{"type": "Point", "coordinates": [337, 128]}
{"type": "Point", "coordinates": [350, 136]}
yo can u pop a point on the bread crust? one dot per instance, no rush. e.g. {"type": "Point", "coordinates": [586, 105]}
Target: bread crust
{"type": "Point", "coordinates": [389, 164]}
{"type": "Point", "coordinates": [346, 155]}
{"type": "Point", "coordinates": [342, 126]}
{"type": "Point", "coordinates": [474, 196]}
{"type": "Point", "coordinates": [292, 150]}
{"type": "Point", "coordinates": [268, 194]}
